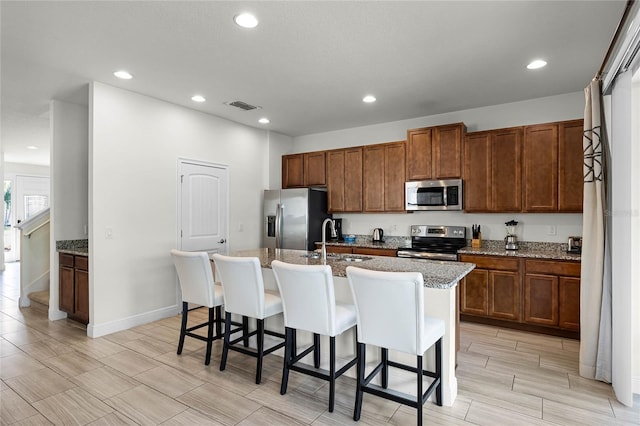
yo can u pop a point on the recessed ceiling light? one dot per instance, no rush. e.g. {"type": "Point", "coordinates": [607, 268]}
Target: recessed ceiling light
{"type": "Point", "coordinates": [198, 98]}
{"type": "Point", "coordinates": [264, 120]}
{"type": "Point", "coordinates": [123, 75]}
{"type": "Point", "coordinates": [32, 147]}
{"type": "Point", "coordinates": [246, 20]}
{"type": "Point", "coordinates": [538, 63]}
{"type": "Point", "coordinates": [369, 98]}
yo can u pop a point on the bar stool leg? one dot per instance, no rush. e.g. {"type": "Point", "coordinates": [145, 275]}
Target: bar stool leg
{"type": "Point", "coordinates": [385, 367]}
{"type": "Point", "coordinates": [183, 326]}
{"type": "Point", "coordinates": [360, 373]}
{"type": "Point", "coordinates": [260, 337]}
{"type": "Point", "coordinates": [288, 337]}
{"type": "Point", "coordinates": [218, 321]}
{"type": "Point", "coordinates": [439, 371]}
{"type": "Point", "coordinates": [207, 358]}
{"type": "Point", "coordinates": [419, 390]}
{"type": "Point", "coordinates": [316, 350]}
{"type": "Point", "coordinates": [245, 331]}
{"type": "Point", "coordinates": [227, 337]}
{"type": "Point", "coordinates": [332, 370]}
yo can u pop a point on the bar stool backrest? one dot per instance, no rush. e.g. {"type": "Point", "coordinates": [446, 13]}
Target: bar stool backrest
{"type": "Point", "coordinates": [389, 308]}
{"type": "Point", "coordinates": [195, 277]}
{"type": "Point", "coordinates": [308, 297]}
{"type": "Point", "coordinates": [242, 284]}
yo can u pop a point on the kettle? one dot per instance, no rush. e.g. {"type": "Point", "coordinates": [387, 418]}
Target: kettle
{"type": "Point", "coordinates": [377, 235]}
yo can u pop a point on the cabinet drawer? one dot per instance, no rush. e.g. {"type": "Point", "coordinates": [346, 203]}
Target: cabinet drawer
{"type": "Point", "coordinates": [82, 262]}
{"type": "Point", "coordinates": [492, 262]}
{"type": "Point", "coordinates": [569, 269]}
{"type": "Point", "coordinates": [374, 251]}
{"type": "Point", "coordinates": [66, 260]}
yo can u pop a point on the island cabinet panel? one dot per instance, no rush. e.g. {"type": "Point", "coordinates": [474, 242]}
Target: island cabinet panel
{"type": "Point", "coordinates": [314, 169]}
{"type": "Point", "coordinates": [435, 152]}
{"type": "Point", "coordinates": [384, 177]}
{"type": "Point", "coordinates": [74, 286]}
{"type": "Point", "coordinates": [293, 171]}
{"type": "Point", "coordinates": [492, 171]}
{"type": "Point", "coordinates": [570, 166]}
{"type": "Point", "coordinates": [540, 157]}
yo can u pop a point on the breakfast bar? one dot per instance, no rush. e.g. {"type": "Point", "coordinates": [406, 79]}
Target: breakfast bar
{"type": "Point", "coordinates": [440, 279]}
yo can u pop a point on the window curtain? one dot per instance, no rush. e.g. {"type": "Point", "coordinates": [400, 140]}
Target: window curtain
{"type": "Point", "coordinates": [595, 276]}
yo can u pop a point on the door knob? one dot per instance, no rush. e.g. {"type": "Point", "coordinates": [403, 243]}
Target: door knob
{"type": "Point", "coordinates": [222, 241]}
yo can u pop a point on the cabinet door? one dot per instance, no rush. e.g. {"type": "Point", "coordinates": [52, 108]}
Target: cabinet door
{"type": "Point", "coordinates": [374, 181]}
{"type": "Point", "coordinates": [394, 160]}
{"type": "Point", "coordinates": [570, 166]}
{"type": "Point", "coordinates": [446, 151]}
{"type": "Point", "coordinates": [353, 179]}
{"type": "Point", "coordinates": [66, 285]}
{"type": "Point", "coordinates": [541, 299]}
{"type": "Point", "coordinates": [314, 171]}
{"type": "Point", "coordinates": [540, 158]}
{"type": "Point", "coordinates": [504, 295]}
{"type": "Point", "coordinates": [569, 303]}
{"type": "Point", "coordinates": [81, 300]}
{"type": "Point", "coordinates": [419, 143]}
{"type": "Point", "coordinates": [293, 171]}
{"type": "Point", "coordinates": [474, 293]}
{"type": "Point", "coordinates": [336, 181]}
{"type": "Point", "coordinates": [477, 172]}
{"type": "Point", "coordinates": [375, 251]}
{"type": "Point", "coordinates": [506, 170]}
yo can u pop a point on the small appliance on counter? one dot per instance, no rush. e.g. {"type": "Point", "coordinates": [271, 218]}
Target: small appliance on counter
{"type": "Point", "coordinates": [575, 245]}
{"type": "Point", "coordinates": [377, 235]}
{"type": "Point", "coordinates": [335, 232]}
{"type": "Point", "coordinates": [511, 240]}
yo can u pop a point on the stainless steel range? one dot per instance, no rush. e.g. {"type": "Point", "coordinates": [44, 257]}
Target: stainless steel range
{"type": "Point", "coordinates": [435, 242]}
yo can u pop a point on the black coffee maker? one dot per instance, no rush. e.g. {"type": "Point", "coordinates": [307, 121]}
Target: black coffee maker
{"type": "Point", "coordinates": [335, 234]}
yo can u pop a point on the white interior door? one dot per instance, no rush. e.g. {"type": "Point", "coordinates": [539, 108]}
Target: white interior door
{"type": "Point", "coordinates": [31, 196]}
{"type": "Point", "coordinates": [203, 200]}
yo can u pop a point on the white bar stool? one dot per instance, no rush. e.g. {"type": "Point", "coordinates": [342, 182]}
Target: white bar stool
{"type": "Point", "coordinates": [390, 315]}
{"type": "Point", "coordinates": [309, 304]}
{"type": "Point", "coordinates": [198, 287]}
{"type": "Point", "coordinates": [244, 294]}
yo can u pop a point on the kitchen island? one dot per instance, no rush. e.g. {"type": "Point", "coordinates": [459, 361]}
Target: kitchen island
{"type": "Point", "coordinates": [441, 279]}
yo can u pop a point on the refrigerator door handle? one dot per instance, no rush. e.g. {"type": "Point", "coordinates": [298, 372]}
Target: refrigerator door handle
{"type": "Point", "coordinates": [279, 226]}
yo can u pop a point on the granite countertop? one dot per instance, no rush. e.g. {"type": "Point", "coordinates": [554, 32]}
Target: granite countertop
{"type": "Point", "coordinates": [75, 247]}
{"type": "Point", "coordinates": [531, 253]}
{"type": "Point", "coordinates": [436, 274]}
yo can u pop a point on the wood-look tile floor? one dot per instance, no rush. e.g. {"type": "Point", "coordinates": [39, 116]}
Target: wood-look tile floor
{"type": "Point", "coordinates": [53, 374]}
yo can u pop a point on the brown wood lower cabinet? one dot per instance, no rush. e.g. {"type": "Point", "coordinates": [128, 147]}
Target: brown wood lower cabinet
{"type": "Point", "coordinates": [536, 295]}
{"type": "Point", "coordinates": [74, 286]}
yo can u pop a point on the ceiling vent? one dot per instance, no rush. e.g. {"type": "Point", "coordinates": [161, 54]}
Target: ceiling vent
{"type": "Point", "coordinates": [242, 105]}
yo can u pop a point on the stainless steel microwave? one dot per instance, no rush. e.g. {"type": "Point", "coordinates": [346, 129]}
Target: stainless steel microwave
{"type": "Point", "coordinates": [433, 195]}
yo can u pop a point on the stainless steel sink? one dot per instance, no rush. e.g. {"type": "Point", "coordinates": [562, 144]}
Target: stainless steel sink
{"type": "Point", "coordinates": [311, 255]}
{"type": "Point", "coordinates": [354, 258]}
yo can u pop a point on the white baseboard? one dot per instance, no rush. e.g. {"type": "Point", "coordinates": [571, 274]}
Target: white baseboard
{"type": "Point", "coordinates": [98, 330]}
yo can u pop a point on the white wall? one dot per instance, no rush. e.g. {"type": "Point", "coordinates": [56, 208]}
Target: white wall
{"type": "Point", "coordinates": [12, 169]}
{"type": "Point", "coordinates": [135, 142]}
{"type": "Point", "coordinates": [533, 227]}
{"type": "Point", "coordinates": [69, 180]}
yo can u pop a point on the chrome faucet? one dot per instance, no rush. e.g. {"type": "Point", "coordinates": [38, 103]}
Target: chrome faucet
{"type": "Point", "coordinates": [324, 238]}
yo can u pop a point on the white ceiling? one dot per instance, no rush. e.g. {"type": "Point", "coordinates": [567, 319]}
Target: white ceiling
{"type": "Point", "coordinates": [308, 63]}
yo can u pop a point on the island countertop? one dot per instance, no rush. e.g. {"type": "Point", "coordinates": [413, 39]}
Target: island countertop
{"type": "Point", "coordinates": [437, 274]}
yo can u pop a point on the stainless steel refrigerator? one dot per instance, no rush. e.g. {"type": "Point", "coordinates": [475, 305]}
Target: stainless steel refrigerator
{"type": "Point", "coordinates": [293, 218]}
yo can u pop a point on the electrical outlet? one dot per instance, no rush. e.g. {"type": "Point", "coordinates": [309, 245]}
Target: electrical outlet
{"type": "Point", "coordinates": [552, 230]}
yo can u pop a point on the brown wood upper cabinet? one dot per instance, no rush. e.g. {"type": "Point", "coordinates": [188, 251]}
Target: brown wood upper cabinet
{"type": "Point", "coordinates": [552, 167]}
{"type": "Point", "coordinates": [344, 180]}
{"type": "Point", "coordinates": [384, 177]}
{"type": "Point", "coordinates": [435, 152]}
{"type": "Point", "coordinates": [304, 170]}
{"type": "Point", "coordinates": [492, 171]}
